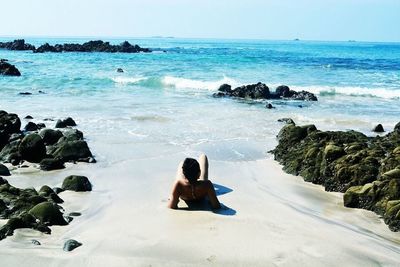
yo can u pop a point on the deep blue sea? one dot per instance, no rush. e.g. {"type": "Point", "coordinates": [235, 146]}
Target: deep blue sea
{"type": "Point", "coordinates": [164, 98]}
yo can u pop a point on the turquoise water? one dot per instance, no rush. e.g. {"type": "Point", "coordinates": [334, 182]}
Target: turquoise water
{"type": "Point", "coordinates": [164, 98]}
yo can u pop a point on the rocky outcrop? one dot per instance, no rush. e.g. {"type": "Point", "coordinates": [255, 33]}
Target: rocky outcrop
{"type": "Point", "coordinates": [91, 46]}
{"type": "Point", "coordinates": [51, 148]}
{"type": "Point", "coordinates": [365, 169]}
{"type": "Point", "coordinates": [261, 91]}
{"type": "Point", "coordinates": [8, 69]}
{"type": "Point", "coordinates": [18, 45]}
{"type": "Point", "coordinates": [28, 208]}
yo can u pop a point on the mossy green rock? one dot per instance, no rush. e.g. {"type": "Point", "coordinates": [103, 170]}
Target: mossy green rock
{"type": "Point", "coordinates": [76, 183]}
{"type": "Point", "coordinates": [72, 150]}
{"type": "Point", "coordinates": [333, 152]}
{"type": "Point", "coordinates": [365, 169]}
{"type": "Point", "coordinates": [32, 148]}
{"type": "Point", "coordinates": [393, 174]}
{"type": "Point", "coordinates": [48, 213]}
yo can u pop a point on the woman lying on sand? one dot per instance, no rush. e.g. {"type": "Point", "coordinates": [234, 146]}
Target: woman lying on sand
{"type": "Point", "coordinates": [192, 184]}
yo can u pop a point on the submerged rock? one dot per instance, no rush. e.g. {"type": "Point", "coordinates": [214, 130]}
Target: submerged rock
{"type": "Point", "coordinates": [365, 169]}
{"type": "Point", "coordinates": [48, 214]}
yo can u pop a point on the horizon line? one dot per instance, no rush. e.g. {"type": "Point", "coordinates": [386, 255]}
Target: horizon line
{"type": "Point", "coordinates": [190, 38]}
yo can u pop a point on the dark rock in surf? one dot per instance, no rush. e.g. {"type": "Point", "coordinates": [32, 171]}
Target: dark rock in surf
{"type": "Point", "coordinates": [18, 45]}
{"type": "Point", "coordinates": [30, 127]}
{"type": "Point", "coordinates": [120, 70]}
{"type": "Point", "coordinates": [261, 91]}
{"type": "Point", "coordinates": [65, 123]}
{"type": "Point", "coordinates": [269, 106]}
{"type": "Point", "coordinates": [378, 129]}
{"type": "Point", "coordinates": [8, 69]}
{"type": "Point", "coordinates": [287, 121]}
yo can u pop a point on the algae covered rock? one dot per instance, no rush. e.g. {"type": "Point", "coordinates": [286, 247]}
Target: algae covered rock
{"type": "Point", "coordinates": [365, 169]}
{"type": "Point", "coordinates": [72, 151]}
{"type": "Point", "coordinates": [48, 213]}
{"type": "Point", "coordinates": [77, 183]}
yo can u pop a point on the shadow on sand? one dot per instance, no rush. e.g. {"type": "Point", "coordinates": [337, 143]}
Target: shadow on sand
{"type": "Point", "coordinates": [204, 205]}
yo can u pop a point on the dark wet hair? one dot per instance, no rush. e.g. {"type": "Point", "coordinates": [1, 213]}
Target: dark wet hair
{"type": "Point", "coordinates": [191, 169]}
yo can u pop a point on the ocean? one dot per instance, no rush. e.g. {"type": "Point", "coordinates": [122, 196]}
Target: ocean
{"type": "Point", "coordinates": [164, 98]}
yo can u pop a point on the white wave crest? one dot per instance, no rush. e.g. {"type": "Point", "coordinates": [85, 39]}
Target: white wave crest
{"type": "Point", "coordinates": [351, 91]}
{"type": "Point", "coordinates": [183, 83]}
{"type": "Point", "coordinates": [128, 80]}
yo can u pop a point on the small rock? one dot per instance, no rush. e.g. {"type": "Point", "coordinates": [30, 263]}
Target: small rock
{"type": "Point", "coordinates": [41, 125]}
{"type": "Point", "coordinates": [30, 127]}
{"type": "Point", "coordinates": [120, 70]}
{"type": "Point", "coordinates": [35, 242]}
{"type": "Point", "coordinates": [75, 214]}
{"type": "Point", "coordinates": [50, 164]}
{"type": "Point", "coordinates": [25, 93]}
{"type": "Point", "coordinates": [269, 106]}
{"type": "Point", "coordinates": [48, 213]}
{"type": "Point", "coordinates": [378, 128]}
{"type": "Point", "coordinates": [286, 120]}
{"type": "Point", "coordinates": [71, 244]}
{"type": "Point", "coordinates": [4, 170]}
{"type": "Point", "coordinates": [28, 117]}
{"type": "Point", "coordinates": [77, 183]}
{"type": "Point", "coordinates": [64, 123]}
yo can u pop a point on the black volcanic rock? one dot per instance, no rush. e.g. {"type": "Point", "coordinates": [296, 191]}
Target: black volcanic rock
{"type": "Point", "coordinates": [378, 129]}
{"type": "Point", "coordinates": [8, 69]}
{"type": "Point", "coordinates": [261, 91]}
{"type": "Point", "coordinates": [18, 45]}
{"type": "Point", "coordinates": [92, 46]}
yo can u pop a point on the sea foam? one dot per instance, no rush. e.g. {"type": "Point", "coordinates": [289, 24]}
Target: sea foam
{"type": "Point", "coordinates": [352, 91]}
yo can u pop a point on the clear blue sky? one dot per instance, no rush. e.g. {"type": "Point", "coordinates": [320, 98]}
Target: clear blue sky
{"type": "Point", "coordinates": [368, 20]}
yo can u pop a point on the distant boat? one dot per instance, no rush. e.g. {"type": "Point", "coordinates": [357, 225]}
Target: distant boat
{"type": "Point", "coordinates": [297, 39]}
{"type": "Point", "coordinates": [351, 41]}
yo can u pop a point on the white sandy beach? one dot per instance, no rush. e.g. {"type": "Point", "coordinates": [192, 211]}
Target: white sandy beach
{"type": "Point", "coordinates": [272, 219]}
